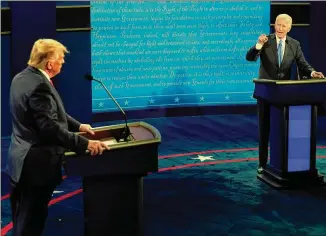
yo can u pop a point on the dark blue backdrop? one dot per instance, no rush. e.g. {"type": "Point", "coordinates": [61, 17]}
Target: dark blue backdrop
{"type": "Point", "coordinates": [25, 29]}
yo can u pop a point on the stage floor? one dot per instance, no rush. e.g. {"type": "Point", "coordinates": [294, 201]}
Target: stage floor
{"type": "Point", "coordinates": [206, 186]}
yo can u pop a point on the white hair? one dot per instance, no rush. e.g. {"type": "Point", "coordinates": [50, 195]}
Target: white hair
{"type": "Point", "coordinates": [285, 17]}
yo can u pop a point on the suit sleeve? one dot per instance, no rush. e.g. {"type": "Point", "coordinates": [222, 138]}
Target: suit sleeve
{"type": "Point", "coordinates": [253, 54]}
{"type": "Point", "coordinates": [73, 124]}
{"type": "Point", "coordinates": [45, 113]}
{"type": "Point", "coordinates": [302, 64]}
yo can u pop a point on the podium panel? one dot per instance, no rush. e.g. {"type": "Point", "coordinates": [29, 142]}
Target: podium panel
{"type": "Point", "coordinates": [299, 136]}
{"type": "Point", "coordinates": [113, 181]}
{"type": "Point", "coordinates": [277, 142]}
{"type": "Point", "coordinates": [293, 121]}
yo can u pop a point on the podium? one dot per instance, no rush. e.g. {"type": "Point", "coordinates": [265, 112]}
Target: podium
{"type": "Point", "coordinates": [293, 122]}
{"type": "Point", "coordinates": [113, 181]}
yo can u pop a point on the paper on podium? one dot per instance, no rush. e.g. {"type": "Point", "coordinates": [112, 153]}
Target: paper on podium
{"type": "Point", "coordinates": [109, 141]}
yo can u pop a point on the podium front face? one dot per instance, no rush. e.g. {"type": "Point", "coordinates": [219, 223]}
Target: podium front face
{"type": "Point", "coordinates": [292, 139]}
{"type": "Point", "coordinates": [113, 181]}
{"type": "Point", "coordinates": [293, 119]}
{"type": "Point", "coordinates": [300, 137]}
{"type": "Point", "coordinates": [137, 156]}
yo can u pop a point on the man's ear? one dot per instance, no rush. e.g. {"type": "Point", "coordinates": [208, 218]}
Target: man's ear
{"type": "Point", "coordinates": [48, 65]}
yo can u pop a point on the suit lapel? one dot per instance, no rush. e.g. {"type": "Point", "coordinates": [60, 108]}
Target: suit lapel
{"type": "Point", "coordinates": [287, 52]}
{"type": "Point", "coordinates": [274, 48]}
{"type": "Point", "coordinates": [57, 97]}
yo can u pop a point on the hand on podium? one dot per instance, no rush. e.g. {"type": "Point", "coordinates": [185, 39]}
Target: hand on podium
{"type": "Point", "coordinates": [96, 147]}
{"type": "Point", "coordinates": [316, 74]}
{"type": "Point", "coordinates": [86, 128]}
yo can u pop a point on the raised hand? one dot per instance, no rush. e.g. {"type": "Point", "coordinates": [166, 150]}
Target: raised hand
{"type": "Point", "coordinates": [262, 39]}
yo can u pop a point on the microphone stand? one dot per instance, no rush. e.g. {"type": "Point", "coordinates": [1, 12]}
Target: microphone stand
{"type": "Point", "coordinates": [125, 134]}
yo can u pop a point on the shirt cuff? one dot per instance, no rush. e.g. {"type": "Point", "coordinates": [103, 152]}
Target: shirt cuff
{"type": "Point", "coordinates": [258, 46]}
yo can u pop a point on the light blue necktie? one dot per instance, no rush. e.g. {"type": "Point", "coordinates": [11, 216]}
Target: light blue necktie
{"type": "Point", "coordinates": [279, 52]}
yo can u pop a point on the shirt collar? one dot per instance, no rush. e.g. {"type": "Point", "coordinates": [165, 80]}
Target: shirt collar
{"type": "Point", "coordinates": [278, 39]}
{"type": "Point", "coordinates": [45, 74]}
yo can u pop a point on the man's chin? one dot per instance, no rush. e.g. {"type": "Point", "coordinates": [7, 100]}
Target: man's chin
{"type": "Point", "coordinates": [280, 35]}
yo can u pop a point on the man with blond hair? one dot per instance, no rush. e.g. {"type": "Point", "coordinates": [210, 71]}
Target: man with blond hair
{"type": "Point", "coordinates": [277, 53]}
{"type": "Point", "coordinates": [41, 132]}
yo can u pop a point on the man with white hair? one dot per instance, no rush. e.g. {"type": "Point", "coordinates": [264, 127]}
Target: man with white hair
{"type": "Point", "coordinates": [277, 53]}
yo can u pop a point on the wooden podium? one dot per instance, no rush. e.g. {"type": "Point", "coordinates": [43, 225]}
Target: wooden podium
{"type": "Point", "coordinates": [113, 181]}
{"type": "Point", "coordinates": [293, 122]}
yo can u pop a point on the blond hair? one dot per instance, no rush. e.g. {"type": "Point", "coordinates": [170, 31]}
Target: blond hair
{"type": "Point", "coordinates": [44, 50]}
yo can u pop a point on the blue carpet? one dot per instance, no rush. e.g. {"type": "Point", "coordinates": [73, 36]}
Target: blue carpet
{"type": "Point", "coordinates": [217, 196]}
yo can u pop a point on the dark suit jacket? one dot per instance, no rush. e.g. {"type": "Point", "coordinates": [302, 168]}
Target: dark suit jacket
{"type": "Point", "coordinates": [269, 68]}
{"type": "Point", "coordinates": [41, 132]}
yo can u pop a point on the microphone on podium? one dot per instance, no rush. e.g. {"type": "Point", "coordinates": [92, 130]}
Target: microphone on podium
{"type": "Point", "coordinates": [125, 134]}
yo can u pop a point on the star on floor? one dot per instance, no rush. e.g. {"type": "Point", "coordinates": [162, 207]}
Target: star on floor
{"type": "Point", "coordinates": [202, 98]}
{"type": "Point", "coordinates": [126, 103]}
{"type": "Point", "coordinates": [203, 158]}
{"type": "Point", "coordinates": [151, 101]}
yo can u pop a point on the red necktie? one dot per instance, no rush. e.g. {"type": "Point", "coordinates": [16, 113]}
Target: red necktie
{"type": "Point", "coordinates": [51, 83]}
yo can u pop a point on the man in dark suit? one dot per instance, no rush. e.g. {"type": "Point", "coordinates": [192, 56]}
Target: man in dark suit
{"type": "Point", "coordinates": [42, 132]}
{"type": "Point", "coordinates": [277, 53]}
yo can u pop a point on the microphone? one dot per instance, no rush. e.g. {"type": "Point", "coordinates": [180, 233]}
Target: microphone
{"type": "Point", "coordinates": [303, 77]}
{"type": "Point", "coordinates": [125, 134]}
{"type": "Point", "coordinates": [280, 74]}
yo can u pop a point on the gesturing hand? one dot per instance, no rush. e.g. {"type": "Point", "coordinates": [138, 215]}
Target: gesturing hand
{"type": "Point", "coordinates": [262, 39]}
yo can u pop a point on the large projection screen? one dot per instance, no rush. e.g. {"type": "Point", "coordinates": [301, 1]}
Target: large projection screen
{"type": "Point", "coordinates": [174, 53]}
